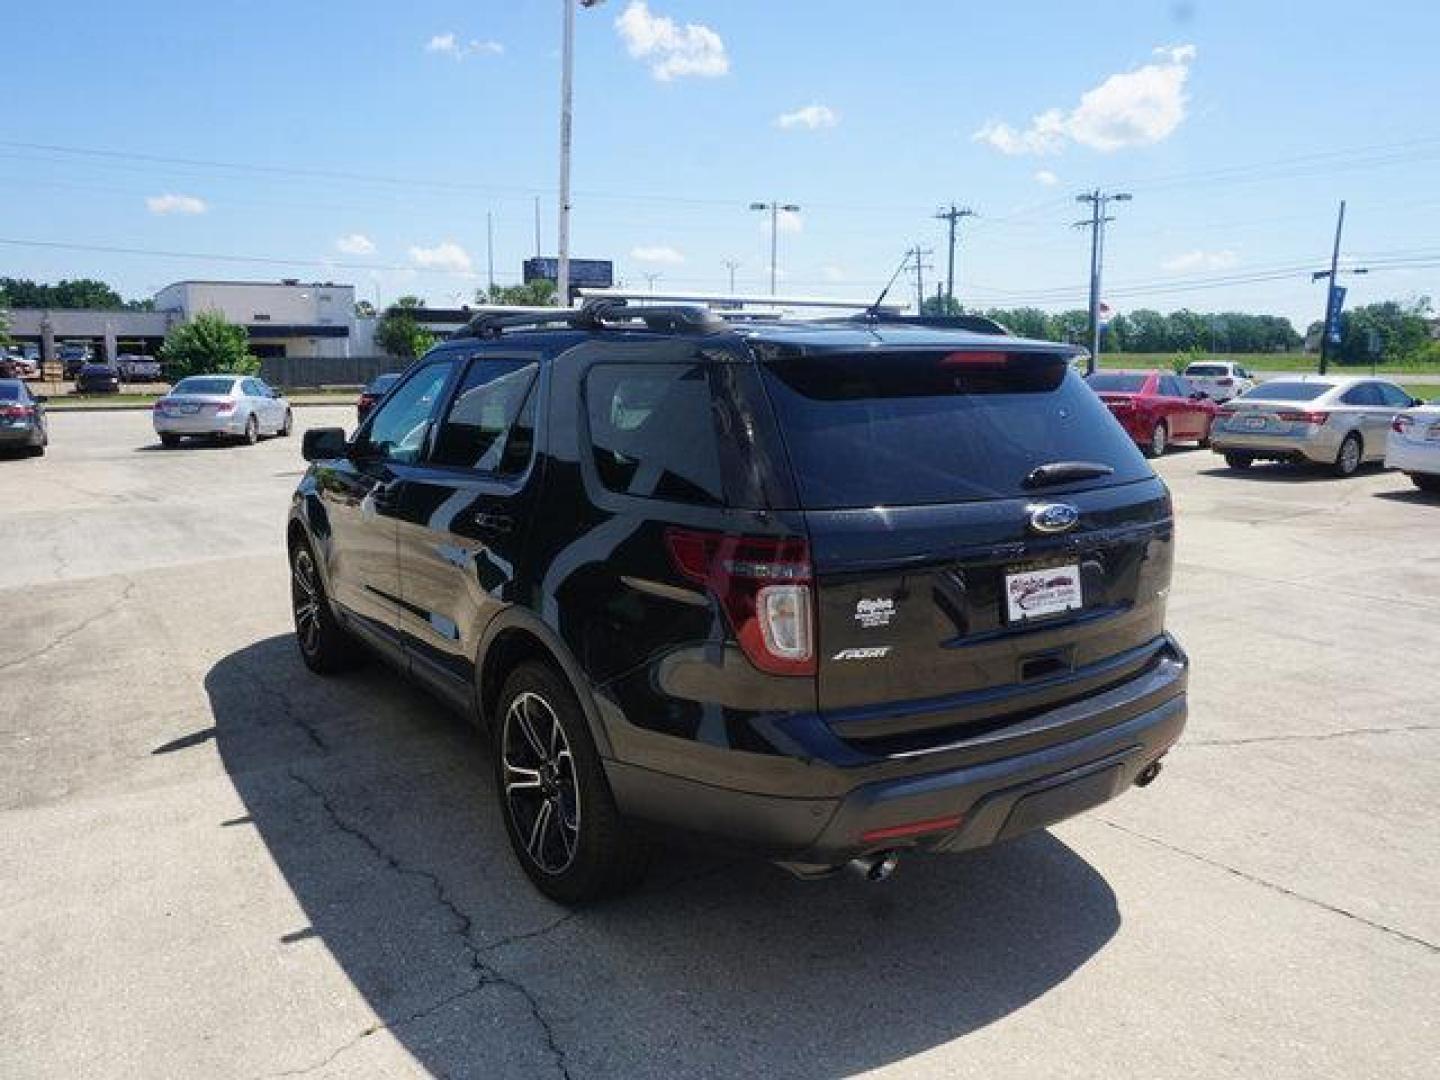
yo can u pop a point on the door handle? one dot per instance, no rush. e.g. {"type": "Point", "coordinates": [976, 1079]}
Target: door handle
{"type": "Point", "coordinates": [496, 523]}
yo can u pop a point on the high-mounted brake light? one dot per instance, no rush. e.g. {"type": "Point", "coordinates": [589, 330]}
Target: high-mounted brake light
{"type": "Point", "coordinates": [763, 585]}
{"type": "Point", "coordinates": [968, 358]}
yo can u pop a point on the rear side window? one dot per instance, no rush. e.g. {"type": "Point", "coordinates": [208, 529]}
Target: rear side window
{"type": "Point", "coordinates": [481, 427]}
{"type": "Point", "coordinates": [1394, 396]}
{"type": "Point", "coordinates": [1107, 383]}
{"type": "Point", "coordinates": [1288, 391]}
{"type": "Point", "coordinates": [1364, 394]}
{"type": "Point", "coordinates": [652, 431]}
{"type": "Point", "coordinates": [914, 428]}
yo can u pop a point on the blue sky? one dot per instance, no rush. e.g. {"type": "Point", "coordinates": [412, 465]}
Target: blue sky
{"type": "Point", "coordinates": [366, 142]}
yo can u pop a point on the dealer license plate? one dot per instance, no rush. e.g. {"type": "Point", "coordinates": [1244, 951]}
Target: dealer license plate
{"type": "Point", "coordinates": [1033, 594]}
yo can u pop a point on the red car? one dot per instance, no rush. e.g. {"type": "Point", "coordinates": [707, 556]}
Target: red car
{"type": "Point", "coordinates": [1156, 409]}
{"type": "Point", "coordinates": [372, 394]}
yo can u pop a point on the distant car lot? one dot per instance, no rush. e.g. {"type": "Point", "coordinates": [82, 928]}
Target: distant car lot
{"type": "Point", "coordinates": [231, 869]}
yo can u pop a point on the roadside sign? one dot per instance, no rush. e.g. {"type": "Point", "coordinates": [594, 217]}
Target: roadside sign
{"type": "Point", "coordinates": [1332, 314]}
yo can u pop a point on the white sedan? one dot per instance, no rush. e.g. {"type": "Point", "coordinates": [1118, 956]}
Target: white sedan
{"type": "Point", "coordinates": [1414, 445]}
{"type": "Point", "coordinates": [235, 406]}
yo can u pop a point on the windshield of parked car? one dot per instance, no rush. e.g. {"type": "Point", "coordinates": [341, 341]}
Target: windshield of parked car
{"type": "Point", "coordinates": [1288, 391]}
{"type": "Point", "coordinates": [200, 384]}
{"type": "Point", "coordinates": [887, 429]}
{"type": "Point", "coordinates": [1104, 382]}
{"type": "Point", "coordinates": [1207, 369]}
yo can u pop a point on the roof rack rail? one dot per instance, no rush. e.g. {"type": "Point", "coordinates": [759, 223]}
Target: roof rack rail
{"type": "Point", "coordinates": [596, 315]}
{"type": "Point", "coordinates": [976, 323]}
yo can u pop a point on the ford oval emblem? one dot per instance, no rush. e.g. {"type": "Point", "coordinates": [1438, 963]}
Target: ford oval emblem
{"type": "Point", "coordinates": [1053, 517]}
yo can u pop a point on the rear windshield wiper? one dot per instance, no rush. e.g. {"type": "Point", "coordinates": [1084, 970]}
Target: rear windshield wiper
{"type": "Point", "coordinates": [1062, 472]}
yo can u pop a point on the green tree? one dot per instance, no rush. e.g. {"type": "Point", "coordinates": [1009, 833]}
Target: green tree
{"type": "Point", "coordinates": [79, 293]}
{"type": "Point", "coordinates": [399, 333]}
{"type": "Point", "coordinates": [208, 343]}
{"type": "Point", "coordinates": [1384, 333]}
{"type": "Point", "coordinates": [537, 293]}
{"type": "Point", "coordinates": [941, 305]}
{"type": "Point", "coordinates": [4, 326]}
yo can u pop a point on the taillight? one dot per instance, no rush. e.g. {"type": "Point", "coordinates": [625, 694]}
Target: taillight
{"type": "Point", "coordinates": [224, 407]}
{"type": "Point", "coordinates": [763, 584]}
{"type": "Point", "coordinates": [1296, 416]}
{"type": "Point", "coordinates": [1401, 424]}
{"type": "Point", "coordinates": [1226, 381]}
{"type": "Point", "coordinates": [15, 412]}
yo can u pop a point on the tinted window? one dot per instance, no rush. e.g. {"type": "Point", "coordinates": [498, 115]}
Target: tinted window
{"type": "Point", "coordinates": [397, 429]}
{"type": "Point", "coordinates": [253, 388]}
{"type": "Point", "coordinates": [652, 431]}
{"type": "Point", "coordinates": [9, 391]}
{"type": "Point", "coordinates": [1288, 391]}
{"type": "Point", "coordinates": [1364, 394]}
{"type": "Point", "coordinates": [477, 431]}
{"type": "Point", "coordinates": [907, 429]}
{"type": "Point", "coordinates": [1103, 382]}
{"type": "Point", "coordinates": [1206, 370]}
{"type": "Point", "coordinates": [381, 383]}
{"type": "Point", "coordinates": [1394, 396]}
{"type": "Point", "coordinates": [1170, 386]}
{"type": "Point", "coordinates": [202, 385]}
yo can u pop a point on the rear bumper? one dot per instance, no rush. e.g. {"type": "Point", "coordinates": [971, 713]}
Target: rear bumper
{"type": "Point", "coordinates": [199, 425]}
{"type": "Point", "coordinates": [1320, 447]}
{"type": "Point", "coordinates": [1039, 771]}
{"type": "Point", "coordinates": [19, 435]}
{"type": "Point", "coordinates": [1413, 459]}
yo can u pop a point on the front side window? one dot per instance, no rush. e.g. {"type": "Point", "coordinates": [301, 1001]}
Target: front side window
{"type": "Point", "coordinates": [481, 430]}
{"type": "Point", "coordinates": [397, 430]}
{"type": "Point", "coordinates": [652, 431]}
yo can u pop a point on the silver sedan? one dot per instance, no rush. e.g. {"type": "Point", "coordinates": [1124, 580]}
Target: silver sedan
{"type": "Point", "coordinates": [228, 406]}
{"type": "Point", "coordinates": [1341, 422]}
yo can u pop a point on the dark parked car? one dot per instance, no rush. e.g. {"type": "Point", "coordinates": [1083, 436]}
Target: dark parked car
{"type": "Point", "coordinates": [1155, 408]}
{"type": "Point", "coordinates": [373, 393]}
{"type": "Point", "coordinates": [98, 379]}
{"type": "Point", "coordinates": [22, 419]}
{"type": "Point", "coordinates": [828, 590]}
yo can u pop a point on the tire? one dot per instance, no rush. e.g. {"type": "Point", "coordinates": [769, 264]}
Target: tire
{"type": "Point", "coordinates": [560, 815]}
{"type": "Point", "coordinates": [324, 645]}
{"type": "Point", "coordinates": [252, 431]}
{"type": "Point", "coordinates": [1159, 439]}
{"type": "Point", "coordinates": [1204, 440]}
{"type": "Point", "coordinates": [36, 451]}
{"type": "Point", "coordinates": [288, 426]}
{"type": "Point", "coordinates": [1240, 462]}
{"type": "Point", "coordinates": [1426, 482]}
{"type": "Point", "coordinates": [1352, 453]}
{"type": "Point", "coordinates": [170, 441]}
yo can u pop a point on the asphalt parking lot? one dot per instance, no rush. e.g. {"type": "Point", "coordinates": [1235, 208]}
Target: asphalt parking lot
{"type": "Point", "coordinates": [218, 865]}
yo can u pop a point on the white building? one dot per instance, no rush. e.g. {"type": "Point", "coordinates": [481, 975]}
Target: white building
{"type": "Point", "coordinates": [283, 318]}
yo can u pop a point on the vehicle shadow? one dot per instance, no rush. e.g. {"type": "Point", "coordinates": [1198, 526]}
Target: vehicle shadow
{"type": "Point", "coordinates": [1287, 473]}
{"type": "Point", "coordinates": [377, 807]}
{"type": "Point", "coordinates": [1411, 495]}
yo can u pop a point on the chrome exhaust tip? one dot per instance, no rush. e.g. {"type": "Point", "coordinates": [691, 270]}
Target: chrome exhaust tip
{"type": "Point", "coordinates": [876, 867]}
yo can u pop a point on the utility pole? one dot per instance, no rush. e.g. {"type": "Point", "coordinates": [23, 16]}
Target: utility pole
{"type": "Point", "coordinates": [1332, 306]}
{"type": "Point", "coordinates": [774, 207]}
{"type": "Point", "coordinates": [918, 254]}
{"type": "Point", "coordinates": [567, 81]}
{"type": "Point", "coordinates": [732, 266]}
{"type": "Point", "coordinates": [1096, 224]}
{"type": "Point", "coordinates": [537, 226]}
{"type": "Point", "coordinates": [953, 214]}
{"type": "Point", "coordinates": [650, 279]}
{"type": "Point", "coordinates": [490, 249]}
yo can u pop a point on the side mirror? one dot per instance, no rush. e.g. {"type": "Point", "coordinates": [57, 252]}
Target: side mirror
{"type": "Point", "coordinates": [324, 444]}
{"type": "Point", "coordinates": [1415, 403]}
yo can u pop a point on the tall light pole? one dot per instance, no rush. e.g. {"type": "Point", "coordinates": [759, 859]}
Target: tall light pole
{"type": "Point", "coordinates": [952, 214]}
{"type": "Point", "coordinates": [567, 70]}
{"type": "Point", "coordinates": [1096, 224]}
{"type": "Point", "coordinates": [1332, 301]}
{"type": "Point", "coordinates": [732, 265]}
{"type": "Point", "coordinates": [774, 208]}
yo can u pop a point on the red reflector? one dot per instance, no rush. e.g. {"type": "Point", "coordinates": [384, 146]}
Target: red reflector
{"type": "Point", "coordinates": [914, 828]}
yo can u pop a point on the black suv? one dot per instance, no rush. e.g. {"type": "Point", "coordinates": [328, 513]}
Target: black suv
{"type": "Point", "coordinates": [828, 589]}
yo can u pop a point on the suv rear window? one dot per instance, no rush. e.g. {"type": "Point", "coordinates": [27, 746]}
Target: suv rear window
{"type": "Point", "coordinates": [906, 429]}
{"type": "Point", "coordinates": [652, 431]}
{"type": "Point", "coordinates": [1109, 383]}
{"type": "Point", "coordinates": [1204, 370]}
{"type": "Point", "coordinates": [1288, 391]}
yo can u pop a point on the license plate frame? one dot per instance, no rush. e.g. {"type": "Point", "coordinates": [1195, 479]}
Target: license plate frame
{"type": "Point", "coordinates": [1033, 593]}
{"type": "Point", "coordinates": [1255, 423]}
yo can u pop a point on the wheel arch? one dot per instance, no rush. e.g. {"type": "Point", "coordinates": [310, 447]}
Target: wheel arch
{"type": "Point", "coordinates": [514, 638]}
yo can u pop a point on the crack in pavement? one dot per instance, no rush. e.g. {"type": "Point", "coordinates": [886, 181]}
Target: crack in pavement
{"type": "Point", "coordinates": [485, 975]}
{"type": "Point", "coordinates": [79, 628]}
{"type": "Point", "coordinates": [1321, 736]}
{"type": "Point", "coordinates": [286, 707]}
{"type": "Point", "coordinates": [1273, 886]}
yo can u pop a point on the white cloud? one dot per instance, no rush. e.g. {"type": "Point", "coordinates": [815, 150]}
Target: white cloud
{"type": "Point", "coordinates": [812, 117]}
{"type": "Point", "coordinates": [355, 244]}
{"type": "Point", "coordinates": [657, 254]}
{"type": "Point", "coordinates": [175, 204]}
{"type": "Point", "coordinates": [448, 44]}
{"type": "Point", "coordinates": [1134, 108]}
{"type": "Point", "coordinates": [671, 50]}
{"type": "Point", "coordinates": [1046, 177]}
{"type": "Point", "coordinates": [1202, 260]}
{"type": "Point", "coordinates": [446, 255]}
